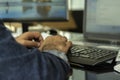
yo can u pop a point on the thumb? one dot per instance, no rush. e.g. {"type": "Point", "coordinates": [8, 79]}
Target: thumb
{"type": "Point", "coordinates": [68, 45]}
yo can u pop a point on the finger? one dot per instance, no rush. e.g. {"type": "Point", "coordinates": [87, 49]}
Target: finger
{"type": "Point", "coordinates": [32, 35]}
{"type": "Point", "coordinates": [41, 42]}
{"type": "Point", "coordinates": [61, 38]}
{"type": "Point", "coordinates": [31, 44]}
{"type": "Point", "coordinates": [64, 39]}
{"type": "Point", "coordinates": [38, 35]}
{"type": "Point", "coordinates": [68, 45]}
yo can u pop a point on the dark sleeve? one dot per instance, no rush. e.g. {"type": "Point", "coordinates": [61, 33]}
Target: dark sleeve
{"type": "Point", "coordinates": [19, 63]}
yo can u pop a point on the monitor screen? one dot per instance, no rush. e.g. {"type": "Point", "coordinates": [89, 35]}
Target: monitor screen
{"type": "Point", "coordinates": [102, 20]}
{"type": "Point", "coordinates": [33, 10]}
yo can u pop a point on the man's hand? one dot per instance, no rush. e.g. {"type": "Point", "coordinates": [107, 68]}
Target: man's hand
{"type": "Point", "coordinates": [30, 39]}
{"type": "Point", "coordinates": [57, 42]}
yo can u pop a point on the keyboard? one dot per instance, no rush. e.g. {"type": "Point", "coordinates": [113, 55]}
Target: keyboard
{"type": "Point", "coordinates": [88, 55]}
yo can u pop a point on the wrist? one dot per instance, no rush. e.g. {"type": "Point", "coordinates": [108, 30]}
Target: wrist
{"type": "Point", "coordinates": [58, 54]}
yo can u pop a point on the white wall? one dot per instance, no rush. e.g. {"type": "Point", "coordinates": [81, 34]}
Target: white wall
{"type": "Point", "coordinates": [76, 4]}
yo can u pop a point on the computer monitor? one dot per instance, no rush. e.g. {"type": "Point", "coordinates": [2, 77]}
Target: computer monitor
{"type": "Point", "coordinates": [33, 10]}
{"type": "Point", "coordinates": [102, 20]}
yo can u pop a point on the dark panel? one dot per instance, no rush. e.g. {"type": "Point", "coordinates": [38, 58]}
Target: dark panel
{"type": "Point", "coordinates": [78, 16]}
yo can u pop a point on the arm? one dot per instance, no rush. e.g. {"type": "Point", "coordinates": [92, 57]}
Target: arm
{"type": "Point", "coordinates": [17, 62]}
